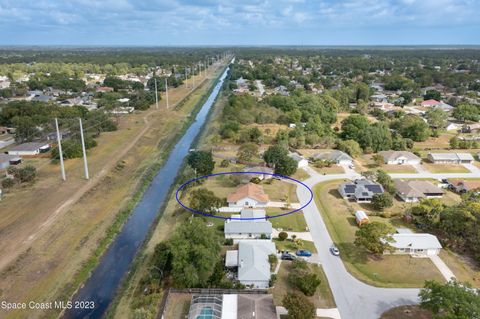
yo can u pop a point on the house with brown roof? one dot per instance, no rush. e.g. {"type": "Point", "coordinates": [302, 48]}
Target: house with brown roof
{"type": "Point", "coordinates": [463, 186]}
{"type": "Point", "coordinates": [248, 195]}
{"type": "Point", "coordinates": [413, 191]}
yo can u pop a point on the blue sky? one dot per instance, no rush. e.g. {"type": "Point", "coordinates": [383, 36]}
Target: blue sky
{"type": "Point", "coordinates": [239, 22]}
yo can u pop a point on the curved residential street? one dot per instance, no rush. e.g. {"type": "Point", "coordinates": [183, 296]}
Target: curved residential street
{"type": "Point", "coordinates": [355, 299]}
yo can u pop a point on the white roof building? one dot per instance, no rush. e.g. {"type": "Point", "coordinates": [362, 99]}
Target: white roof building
{"type": "Point", "coordinates": [416, 244]}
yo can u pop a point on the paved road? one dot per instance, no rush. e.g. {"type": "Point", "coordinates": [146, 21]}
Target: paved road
{"type": "Point", "coordinates": [355, 299]}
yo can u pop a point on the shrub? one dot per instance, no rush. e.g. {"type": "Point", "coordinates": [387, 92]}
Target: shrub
{"type": "Point", "coordinates": [282, 236]}
{"type": "Point", "coordinates": [8, 183]}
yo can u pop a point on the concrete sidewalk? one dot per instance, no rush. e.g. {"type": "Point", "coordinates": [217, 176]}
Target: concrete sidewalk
{"type": "Point", "coordinates": [442, 267]}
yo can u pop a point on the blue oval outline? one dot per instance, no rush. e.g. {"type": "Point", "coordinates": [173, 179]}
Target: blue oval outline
{"type": "Point", "coordinates": [240, 173]}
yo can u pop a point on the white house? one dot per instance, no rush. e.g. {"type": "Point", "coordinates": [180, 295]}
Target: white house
{"type": "Point", "coordinates": [29, 149]}
{"type": "Point", "coordinates": [260, 172]}
{"type": "Point", "coordinates": [301, 161]}
{"type": "Point", "coordinates": [399, 158]}
{"type": "Point", "coordinates": [252, 262]}
{"type": "Point", "coordinates": [252, 225]}
{"type": "Point", "coordinates": [421, 245]}
{"type": "Point", "coordinates": [248, 195]}
{"type": "Point", "coordinates": [336, 156]}
{"type": "Point", "coordinates": [450, 158]}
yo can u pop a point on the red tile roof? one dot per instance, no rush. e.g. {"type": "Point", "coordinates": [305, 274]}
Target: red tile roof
{"type": "Point", "coordinates": [250, 190]}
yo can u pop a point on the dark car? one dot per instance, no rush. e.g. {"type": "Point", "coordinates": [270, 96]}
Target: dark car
{"type": "Point", "coordinates": [334, 250]}
{"type": "Point", "coordinates": [288, 256]}
{"type": "Point", "coordinates": [303, 253]}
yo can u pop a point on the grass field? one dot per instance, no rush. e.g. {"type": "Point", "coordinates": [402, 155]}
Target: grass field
{"type": "Point", "coordinates": [445, 168]}
{"type": "Point", "coordinates": [64, 241]}
{"type": "Point", "coordinates": [385, 271]}
{"type": "Point", "coordinates": [288, 245]}
{"type": "Point", "coordinates": [323, 297]}
{"type": "Point", "coordinates": [465, 271]}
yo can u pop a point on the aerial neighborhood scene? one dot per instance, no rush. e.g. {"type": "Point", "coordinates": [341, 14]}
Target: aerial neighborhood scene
{"type": "Point", "coordinates": [240, 160]}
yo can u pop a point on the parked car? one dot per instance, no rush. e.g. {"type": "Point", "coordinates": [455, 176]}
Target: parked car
{"type": "Point", "coordinates": [303, 253]}
{"type": "Point", "coordinates": [334, 250]}
{"type": "Point", "coordinates": [288, 256]}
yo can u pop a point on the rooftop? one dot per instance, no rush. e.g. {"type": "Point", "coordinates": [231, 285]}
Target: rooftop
{"type": "Point", "coordinates": [253, 262]}
{"type": "Point", "coordinates": [415, 241]}
{"type": "Point", "coordinates": [249, 190]}
{"type": "Point", "coordinates": [31, 146]}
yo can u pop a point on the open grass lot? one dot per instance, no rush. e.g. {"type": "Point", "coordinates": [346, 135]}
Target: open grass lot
{"type": "Point", "coordinates": [292, 222]}
{"type": "Point", "coordinates": [445, 168]}
{"type": "Point", "coordinates": [407, 312]}
{"type": "Point", "coordinates": [49, 243]}
{"type": "Point", "coordinates": [435, 143]}
{"type": "Point", "coordinates": [385, 271]}
{"type": "Point", "coordinates": [465, 270]}
{"type": "Point", "coordinates": [323, 297]}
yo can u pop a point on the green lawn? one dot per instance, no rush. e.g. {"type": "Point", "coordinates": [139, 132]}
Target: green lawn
{"type": "Point", "coordinates": [292, 222]}
{"type": "Point", "coordinates": [323, 297]}
{"type": "Point", "coordinates": [385, 270]}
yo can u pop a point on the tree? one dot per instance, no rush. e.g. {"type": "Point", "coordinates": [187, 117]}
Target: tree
{"type": "Point", "coordinates": [197, 251]}
{"type": "Point", "coordinates": [201, 161]}
{"type": "Point", "coordinates": [377, 159]}
{"type": "Point", "coordinates": [450, 300]}
{"type": "Point", "coordinates": [353, 126]}
{"type": "Point", "coordinates": [375, 237]}
{"type": "Point", "coordinates": [162, 259]}
{"type": "Point", "coordinates": [274, 154]}
{"type": "Point", "coordinates": [204, 200]}
{"type": "Point", "coordinates": [301, 277]}
{"type": "Point", "coordinates": [413, 127]}
{"type": "Point", "coordinates": [466, 112]}
{"type": "Point", "coordinates": [298, 306]}
{"type": "Point", "coordinates": [386, 181]}
{"type": "Point", "coordinates": [437, 118]}
{"type": "Point", "coordinates": [382, 201]}
{"type": "Point", "coordinates": [286, 166]}
{"type": "Point", "coordinates": [350, 147]}
{"type": "Point", "coordinates": [247, 151]}
{"type": "Point", "coordinates": [432, 95]}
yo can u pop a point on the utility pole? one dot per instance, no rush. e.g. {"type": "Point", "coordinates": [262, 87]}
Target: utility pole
{"type": "Point", "coordinates": [85, 164]}
{"type": "Point", "coordinates": [156, 94]}
{"type": "Point", "coordinates": [186, 81]}
{"type": "Point", "coordinates": [193, 79]}
{"type": "Point", "coordinates": [62, 167]}
{"type": "Point", "coordinates": [166, 91]}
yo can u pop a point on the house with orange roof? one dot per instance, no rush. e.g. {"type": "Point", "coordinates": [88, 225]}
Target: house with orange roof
{"type": "Point", "coordinates": [248, 195]}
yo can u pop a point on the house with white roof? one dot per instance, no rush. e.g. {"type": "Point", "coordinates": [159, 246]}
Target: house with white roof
{"type": "Point", "coordinates": [301, 161]}
{"type": "Point", "coordinates": [336, 156]}
{"type": "Point", "coordinates": [251, 258]}
{"type": "Point", "coordinates": [450, 158]}
{"type": "Point", "coordinates": [399, 158]}
{"type": "Point", "coordinates": [419, 245]}
{"type": "Point", "coordinates": [249, 224]}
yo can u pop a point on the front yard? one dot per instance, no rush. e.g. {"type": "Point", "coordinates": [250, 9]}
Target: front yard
{"type": "Point", "coordinates": [445, 168]}
{"type": "Point", "coordinates": [323, 297]}
{"type": "Point", "coordinates": [385, 271]}
{"type": "Point", "coordinates": [293, 222]}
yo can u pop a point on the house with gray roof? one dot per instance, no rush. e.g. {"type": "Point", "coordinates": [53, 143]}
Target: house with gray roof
{"type": "Point", "coordinates": [450, 158]}
{"type": "Point", "coordinates": [336, 156]}
{"type": "Point", "coordinates": [253, 225]}
{"type": "Point", "coordinates": [253, 265]}
{"type": "Point", "coordinates": [360, 190]}
{"type": "Point", "coordinates": [413, 190]}
{"type": "Point", "coordinates": [399, 158]}
{"type": "Point", "coordinates": [260, 172]}
{"type": "Point", "coordinates": [29, 149]}
{"type": "Point", "coordinates": [7, 160]}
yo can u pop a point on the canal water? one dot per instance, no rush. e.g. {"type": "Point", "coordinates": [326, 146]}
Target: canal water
{"type": "Point", "coordinates": [102, 285]}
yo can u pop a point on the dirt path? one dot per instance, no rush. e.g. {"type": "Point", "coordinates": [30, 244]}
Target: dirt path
{"type": "Point", "coordinates": [17, 242]}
